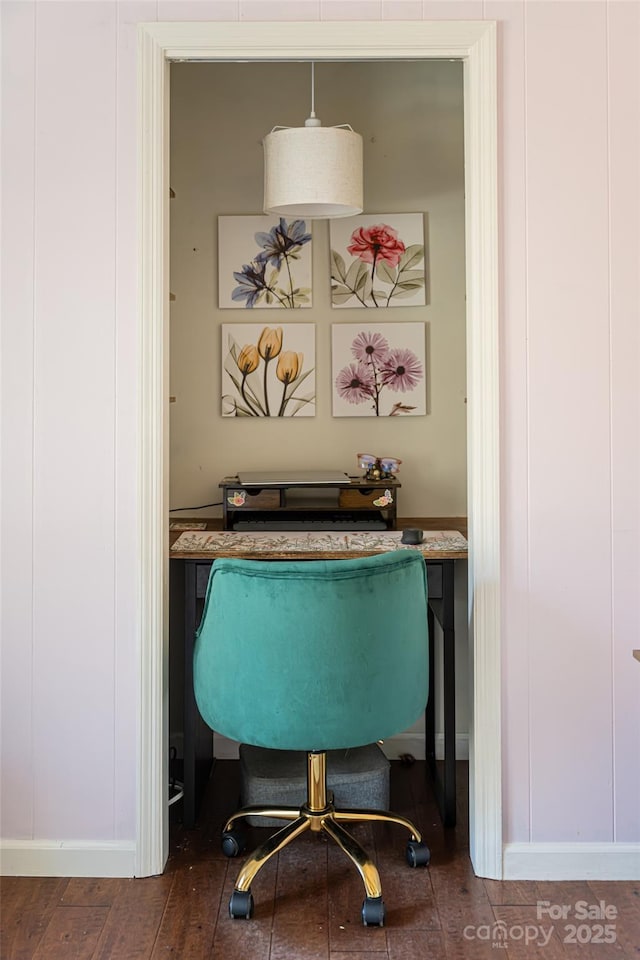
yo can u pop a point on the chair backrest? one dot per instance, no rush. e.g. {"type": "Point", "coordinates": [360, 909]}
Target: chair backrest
{"type": "Point", "coordinates": [313, 654]}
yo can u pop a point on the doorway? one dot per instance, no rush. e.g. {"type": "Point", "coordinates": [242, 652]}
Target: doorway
{"type": "Point", "coordinates": [474, 44]}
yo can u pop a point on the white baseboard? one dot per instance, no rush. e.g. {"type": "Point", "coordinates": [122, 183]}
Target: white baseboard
{"type": "Point", "coordinates": [571, 861]}
{"type": "Point", "coordinates": [393, 747]}
{"type": "Point", "coordinates": [67, 858]}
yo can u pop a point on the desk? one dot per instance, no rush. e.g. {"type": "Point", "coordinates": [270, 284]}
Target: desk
{"type": "Point", "coordinates": [194, 550]}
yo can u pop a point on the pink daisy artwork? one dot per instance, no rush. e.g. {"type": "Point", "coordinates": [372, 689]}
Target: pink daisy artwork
{"type": "Point", "coordinates": [379, 370]}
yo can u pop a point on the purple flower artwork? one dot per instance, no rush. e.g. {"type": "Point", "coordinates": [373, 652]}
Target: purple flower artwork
{"type": "Point", "coordinates": [378, 370]}
{"type": "Point", "coordinates": [264, 262]}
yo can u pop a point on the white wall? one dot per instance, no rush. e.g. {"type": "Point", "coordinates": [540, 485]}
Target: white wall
{"type": "Point", "coordinates": [569, 429]}
{"type": "Point", "coordinates": [571, 420]}
{"type": "Point", "coordinates": [69, 444]}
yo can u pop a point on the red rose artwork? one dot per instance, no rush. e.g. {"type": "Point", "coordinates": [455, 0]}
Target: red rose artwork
{"type": "Point", "coordinates": [387, 265]}
{"type": "Point", "coordinates": [379, 242]}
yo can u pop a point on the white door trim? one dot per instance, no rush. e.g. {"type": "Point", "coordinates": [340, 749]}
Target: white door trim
{"type": "Point", "coordinates": [474, 42]}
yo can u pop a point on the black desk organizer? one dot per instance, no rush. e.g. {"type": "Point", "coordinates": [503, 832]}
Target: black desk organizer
{"type": "Point", "coordinates": [352, 498]}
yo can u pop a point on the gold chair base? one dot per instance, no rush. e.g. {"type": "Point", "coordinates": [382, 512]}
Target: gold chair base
{"type": "Point", "coordinates": [317, 814]}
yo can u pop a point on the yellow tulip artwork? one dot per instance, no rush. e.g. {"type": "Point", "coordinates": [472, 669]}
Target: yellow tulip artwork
{"type": "Point", "coordinates": [268, 371]}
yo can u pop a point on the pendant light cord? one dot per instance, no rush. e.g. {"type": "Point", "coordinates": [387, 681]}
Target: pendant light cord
{"type": "Point", "coordinates": [312, 120]}
{"type": "Point", "coordinates": [313, 89]}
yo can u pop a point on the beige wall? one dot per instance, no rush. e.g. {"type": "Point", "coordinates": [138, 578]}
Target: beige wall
{"type": "Point", "coordinates": [410, 116]}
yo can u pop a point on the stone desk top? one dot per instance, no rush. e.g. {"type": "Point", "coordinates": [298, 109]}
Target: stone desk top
{"type": "Point", "coordinates": [327, 545]}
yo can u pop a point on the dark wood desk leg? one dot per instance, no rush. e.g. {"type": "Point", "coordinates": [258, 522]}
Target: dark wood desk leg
{"type": "Point", "coordinates": [449, 697]}
{"type": "Point", "coordinates": [198, 739]}
{"type": "Point", "coordinates": [189, 744]}
{"type": "Point", "coordinates": [430, 712]}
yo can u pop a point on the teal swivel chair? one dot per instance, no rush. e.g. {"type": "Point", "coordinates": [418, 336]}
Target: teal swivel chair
{"type": "Point", "coordinates": [314, 655]}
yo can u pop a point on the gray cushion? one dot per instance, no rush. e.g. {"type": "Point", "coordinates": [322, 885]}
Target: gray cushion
{"type": "Point", "coordinates": [358, 777]}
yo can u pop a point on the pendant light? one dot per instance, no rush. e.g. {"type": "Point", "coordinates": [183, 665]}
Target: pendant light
{"type": "Point", "coordinates": [313, 171]}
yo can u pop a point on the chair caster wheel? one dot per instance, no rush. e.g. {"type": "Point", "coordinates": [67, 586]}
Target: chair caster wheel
{"type": "Point", "coordinates": [232, 843]}
{"type": "Point", "coordinates": [241, 905]}
{"type": "Point", "coordinates": [373, 912]}
{"type": "Point", "coordinates": [418, 853]}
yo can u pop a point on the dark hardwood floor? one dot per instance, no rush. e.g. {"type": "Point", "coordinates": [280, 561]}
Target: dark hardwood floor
{"type": "Point", "coordinates": [308, 901]}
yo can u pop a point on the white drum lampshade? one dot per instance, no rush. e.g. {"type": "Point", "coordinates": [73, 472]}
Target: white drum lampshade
{"type": "Point", "coordinates": [313, 171]}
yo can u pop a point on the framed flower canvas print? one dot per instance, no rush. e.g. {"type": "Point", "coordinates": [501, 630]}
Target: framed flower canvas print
{"type": "Point", "coordinates": [264, 262]}
{"type": "Point", "coordinates": [377, 261]}
{"type": "Point", "coordinates": [268, 371]}
{"type": "Point", "coordinates": [378, 369]}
